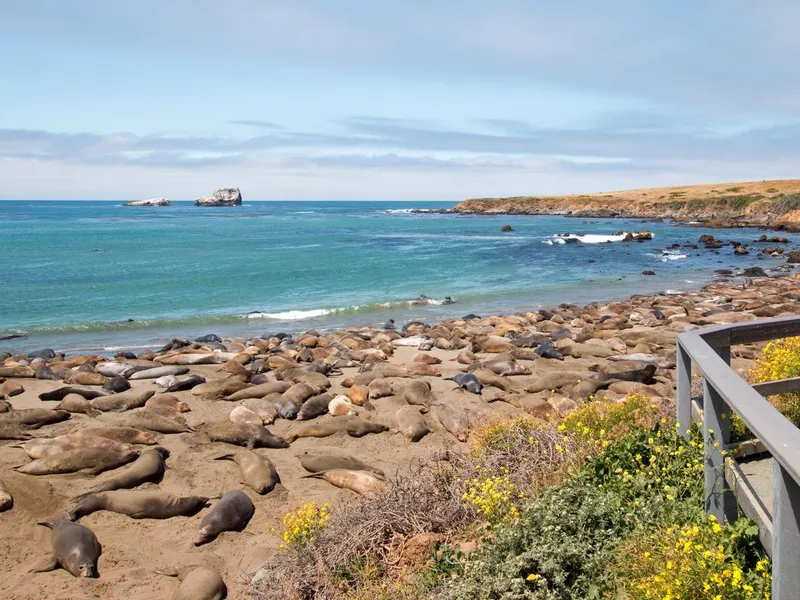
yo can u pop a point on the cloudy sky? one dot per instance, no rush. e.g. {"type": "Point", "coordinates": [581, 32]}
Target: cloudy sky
{"type": "Point", "coordinates": [358, 99]}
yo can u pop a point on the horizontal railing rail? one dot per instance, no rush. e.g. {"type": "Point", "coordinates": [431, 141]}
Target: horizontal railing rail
{"type": "Point", "coordinates": [724, 392]}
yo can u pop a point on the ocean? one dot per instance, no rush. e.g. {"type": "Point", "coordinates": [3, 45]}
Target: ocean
{"type": "Point", "coordinates": [97, 276]}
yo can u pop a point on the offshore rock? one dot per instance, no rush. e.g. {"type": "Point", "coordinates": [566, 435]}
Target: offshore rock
{"type": "Point", "coordinates": [150, 202]}
{"type": "Point", "coordinates": [221, 197]}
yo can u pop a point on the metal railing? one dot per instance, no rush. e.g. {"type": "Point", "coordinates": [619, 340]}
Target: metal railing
{"type": "Point", "coordinates": [709, 350]}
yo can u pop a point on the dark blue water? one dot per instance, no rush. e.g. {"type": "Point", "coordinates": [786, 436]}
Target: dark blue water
{"type": "Point", "coordinates": [74, 273]}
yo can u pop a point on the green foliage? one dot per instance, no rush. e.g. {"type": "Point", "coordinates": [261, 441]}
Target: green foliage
{"type": "Point", "coordinates": [786, 203]}
{"type": "Point", "coordinates": [733, 189]}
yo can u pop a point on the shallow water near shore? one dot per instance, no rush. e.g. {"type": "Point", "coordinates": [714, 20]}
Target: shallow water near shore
{"type": "Point", "coordinates": [97, 276]}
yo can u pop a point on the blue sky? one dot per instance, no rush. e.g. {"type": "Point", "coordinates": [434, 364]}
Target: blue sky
{"type": "Point", "coordinates": [356, 99]}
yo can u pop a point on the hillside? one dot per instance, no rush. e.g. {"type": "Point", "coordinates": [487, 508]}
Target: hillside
{"type": "Point", "coordinates": [774, 204]}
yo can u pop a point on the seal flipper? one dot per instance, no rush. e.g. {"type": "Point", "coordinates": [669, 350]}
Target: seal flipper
{"type": "Point", "coordinates": [52, 565]}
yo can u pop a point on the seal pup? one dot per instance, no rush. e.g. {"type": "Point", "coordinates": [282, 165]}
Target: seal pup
{"type": "Point", "coordinates": [258, 472]}
{"type": "Point", "coordinates": [75, 549]}
{"type": "Point", "coordinates": [6, 499]}
{"type": "Point", "coordinates": [139, 504]}
{"type": "Point", "coordinates": [149, 467]}
{"type": "Point", "coordinates": [468, 382]}
{"type": "Point", "coordinates": [232, 513]}
{"type": "Point", "coordinates": [341, 406]}
{"type": "Point", "coordinates": [198, 582]}
{"type": "Point", "coordinates": [117, 384]}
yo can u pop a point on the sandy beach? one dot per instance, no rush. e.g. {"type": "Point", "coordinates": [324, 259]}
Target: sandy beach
{"type": "Point", "coordinates": [642, 328]}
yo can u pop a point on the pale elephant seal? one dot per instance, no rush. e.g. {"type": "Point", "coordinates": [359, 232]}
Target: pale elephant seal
{"type": "Point", "coordinates": [418, 393]}
{"type": "Point", "coordinates": [258, 472]}
{"type": "Point", "coordinates": [151, 421]}
{"type": "Point", "coordinates": [149, 467]}
{"type": "Point", "coordinates": [75, 549]}
{"type": "Point", "coordinates": [341, 406]}
{"type": "Point", "coordinates": [411, 423]}
{"type": "Point", "coordinates": [315, 406]}
{"type": "Point", "coordinates": [33, 417]}
{"type": "Point", "coordinates": [60, 393]}
{"type": "Point", "coordinates": [6, 499]}
{"type": "Point", "coordinates": [354, 426]}
{"type": "Point", "coordinates": [189, 383]}
{"type": "Point", "coordinates": [126, 435]}
{"type": "Point", "coordinates": [259, 391]}
{"type": "Point", "coordinates": [198, 582]}
{"type": "Point", "coordinates": [316, 463]}
{"type": "Point", "coordinates": [93, 460]}
{"type": "Point", "coordinates": [139, 505]}
{"type": "Point", "coordinates": [42, 448]}
{"type": "Point", "coordinates": [124, 401]}
{"type": "Point", "coordinates": [468, 382]}
{"type": "Point", "coordinates": [251, 436]}
{"type": "Point", "coordinates": [267, 411]}
{"type": "Point", "coordinates": [232, 513]}
{"type": "Point", "coordinates": [361, 482]}
{"type": "Point", "coordinates": [454, 420]}
{"type": "Point", "coordinates": [115, 369]}
{"type": "Point", "coordinates": [76, 403]}
{"type": "Point", "coordinates": [505, 368]}
{"type": "Point", "coordinates": [156, 372]}
{"type": "Point", "coordinates": [241, 415]}
{"type": "Point", "coordinates": [166, 381]}
{"type": "Point", "coordinates": [169, 401]}
{"type": "Point", "coordinates": [83, 440]}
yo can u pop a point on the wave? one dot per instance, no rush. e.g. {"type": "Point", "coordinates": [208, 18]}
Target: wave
{"type": "Point", "coordinates": [591, 238]}
{"type": "Point", "coordinates": [291, 315]}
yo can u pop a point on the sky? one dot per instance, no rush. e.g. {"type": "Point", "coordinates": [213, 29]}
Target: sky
{"type": "Point", "coordinates": [412, 100]}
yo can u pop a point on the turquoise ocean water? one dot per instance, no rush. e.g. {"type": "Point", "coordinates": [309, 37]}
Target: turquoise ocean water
{"type": "Point", "coordinates": [79, 276]}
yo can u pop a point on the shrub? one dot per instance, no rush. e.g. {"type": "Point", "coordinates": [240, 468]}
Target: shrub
{"type": "Point", "coordinates": [595, 423]}
{"type": "Point", "coordinates": [301, 525]}
{"type": "Point", "coordinates": [495, 499]}
{"type": "Point", "coordinates": [705, 561]}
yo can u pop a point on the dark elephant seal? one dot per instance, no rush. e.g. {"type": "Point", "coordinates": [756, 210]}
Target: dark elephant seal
{"type": "Point", "coordinates": [315, 406]}
{"type": "Point", "coordinates": [454, 420]}
{"type": "Point", "coordinates": [232, 513]}
{"type": "Point", "coordinates": [124, 401]}
{"type": "Point", "coordinates": [76, 403]}
{"type": "Point", "coordinates": [139, 505]}
{"type": "Point", "coordinates": [75, 549]}
{"type": "Point", "coordinates": [418, 393]}
{"type": "Point", "coordinates": [5, 405]}
{"type": "Point", "coordinates": [547, 350]}
{"type": "Point", "coordinates": [93, 460]}
{"type": "Point", "coordinates": [33, 417]}
{"type": "Point", "coordinates": [6, 499]}
{"type": "Point", "coordinates": [258, 472]}
{"type": "Point", "coordinates": [468, 382]}
{"type": "Point", "coordinates": [46, 373]}
{"type": "Point", "coordinates": [251, 436]}
{"type": "Point", "coordinates": [411, 423]}
{"type": "Point", "coordinates": [315, 463]}
{"type": "Point", "coordinates": [117, 384]}
{"type": "Point", "coordinates": [198, 582]}
{"type": "Point", "coordinates": [189, 383]}
{"type": "Point", "coordinates": [149, 467]}
{"type": "Point", "coordinates": [60, 393]}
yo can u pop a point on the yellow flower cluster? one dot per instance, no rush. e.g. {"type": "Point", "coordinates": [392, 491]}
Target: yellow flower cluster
{"type": "Point", "coordinates": [494, 498]}
{"type": "Point", "coordinates": [596, 421]}
{"type": "Point", "coordinates": [691, 563]}
{"type": "Point", "coordinates": [302, 524]}
{"type": "Point", "coordinates": [500, 436]}
{"type": "Point", "coordinates": [779, 360]}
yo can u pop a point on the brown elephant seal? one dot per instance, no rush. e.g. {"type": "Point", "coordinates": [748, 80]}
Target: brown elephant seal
{"type": "Point", "coordinates": [17, 371]}
{"type": "Point", "coordinates": [553, 381]}
{"type": "Point", "coordinates": [151, 421]}
{"type": "Point", "coordinates": [125, 435]}
{"type": "Point", "coordinates": [315, 406]}
{"type": "Point", "coordinates": [5, 405]}
{"type": "Point", "coordinates": [85, 378]}
{"type": "Point", "coordinates": [189, 383]}
{"type": "Point", "coordinates": [33, 418]}
{"type": "Point", "coordinates": [416, 368]}
{"type": "Point", "coordinates": [258, 472]}
{"type": "Point", "coordinates": [411, 423]}
{"type": "Point", "coordinates": [139, 504]}
{"type": "Point", "coordinates": [340, 406]}
{"type": "Point", "coordinates": [76, 403]}
{"type": "Point", "coordinates": [232, 513]}
{"type": "Point", "coordinates": [361, 482]}
{"type": "Point", "coordinates": [75, 549]}
{"type": "Point", "coordinates": [490, 378]}
{"type": "Point", "coordinates": [41, 448]}
{"type": "Point", "coordinates": [149, 467]}
{"type": "Point", "coordinates": [241, 415]}
{"type": "Point", "coordinates": [454, 420]}
{"type": "Point", "coordinates": [429, 359]}
{"type": "Point", "coordinates": [259, 391]}
{"type": "Point", "coordinates": [251, 436]}
{"type": "Point", "coordinates": [6, 499]}
{"type": "Point", "coordinates": [316, 463]}
{"type": "Point", "coordinates": [14, 431]}
{"type": "Point", "coordinates": [626, 370]}
{"type": "Point", "coordinates": [358, 394]}
{"type": "Point", "coordinates": [379, 388]}
{"type": "Point", "coordinates": [198, 582]}
{"type": "Point", "coordinates": [92, 460]}
{"type": "Point", "coordinates": [267, 411]}
{"type": "Point", "coordinates": [418, 393]}
{"type": "Point", "coordinates": [59, 394]}
{"type": "Point", "coordinates": [299, 393]}
{"type": "Point", "coordinates": [505, 368]}
{"type": "Point", "coordinates": [167, 400]}
{"type": "Point", "coordinates": [11, 388]}
{"type": "Point", "coordinates": [354, 426]}
{"type": "Point", "coordinates": [215, 390]}
{"type": "Point", "coordinates": [165, 411]}
{"type": "Point", "coordinates": [124, 401]}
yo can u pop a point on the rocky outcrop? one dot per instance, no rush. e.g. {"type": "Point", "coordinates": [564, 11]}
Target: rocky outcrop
{"type": "Point", "coordinates": [150, 202]}
{"type": "Point", "coordinates": [221, 197]}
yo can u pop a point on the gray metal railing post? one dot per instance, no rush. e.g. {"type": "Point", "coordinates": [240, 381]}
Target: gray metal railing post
{"type": "Point", "coordinates": [724, 354]}
{"type": "Point", "coordinates": [720, 500]}
{"type": "Point", "coordinates": [683, 390]}
{"type": "Point", "coordinates": [785, 535]}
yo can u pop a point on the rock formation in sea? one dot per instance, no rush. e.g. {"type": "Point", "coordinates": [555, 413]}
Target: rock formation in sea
{"type": "Point", "coordinates": [150, 202]}
{"type": "Point", "coordinates": [221, 197]}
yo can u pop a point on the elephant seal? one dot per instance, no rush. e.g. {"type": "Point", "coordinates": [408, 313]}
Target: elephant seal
{"type": "Point", "coordinates": [11, 389]}
{"type": "Point", "coordinates": [14, 431]}
{"type": "Point", "coordinates": [232, 513]}
{"type": "Point", "coordinates": [218, 389]}
{"type": "Point", "coordinates": [198, 582]}
{"type": "Point", "coordinates": [46, 373]}
{"type": "Point", "coordinates": [361, 482]}
{"type": "Point", "coordinates": [340, 406]}
{"type": "Point", "coordinates": [117, 384]}
{"type": "Point", "coordinates": [139, 505]}
{"type": "Point", "coordinates": [17, 371]}
{"type": "Point", "coordinates": [189, 383]}
{"type": "Point", "coordinates": [258, 472]}
{"type": "Point", "coordinates": [299, 393]}
{"type": "Point", "coordinates": [156, 372]}
{"type": "Point", "coordinates": [468, 382]}
{"type": "Point", "coordinates": [126, 435]}
{"type": "Point", "coordinates": [316, 463]}
{"type": "Point", "coordinates": [418, 393]}
{"type": "Point", "coordinates": [115, 369]}
{"type": "Point", "coordinates": [166, 381]}
{"type": "Point", "coordinates": [547, 350]}
{"type": "Point", "coordinates": [490, 378]}
{"type": "Point", "coordinates": [124, 401]}
{"type": "Point", "coordinates": [411, 423]}
{"type": "Point", "coordinates": [75, 549]}
{"type": "Point", "coordinates": [379, 388]}
{"type": "Point", "coordinates": [354, 426]}
{"type": "Point", "coordinates": [5, 405]}
{"type": "Point", "coordinates": [454, 420]}
{"type": "Point", "coordinates": [315, 406]}
{"type": "Point", "coordinates": [93, 460]}
{"type": "Point", "coordinates": [241, 415]}
{"type": "Point", "coordinates": [6, 499]}
{"type": "Point", "coordinates": [149, 467]}
{"type": "Point", "coordinates": [267, 411]}
{"type": "Point", "coordinates": [251, 436]}
{"type": "Point", "coordinates": [151, 421]}
{"type": "Point", "coordinates": [505, 368]}
{"type": "Point", "coordinates": [85, 378]}
{"type": "Point", "coordinates": [167, 400]}
{"type": "Point", "coordinates": [59, 394]}
{"type": "Point", "coordinates": [33, 417]}
{"type": "Point", "coordinates": [259, 391]}
{"type": "Point", "coordinates": [42, 448]}
{"type": "Point", "coordinates": [76, 403]}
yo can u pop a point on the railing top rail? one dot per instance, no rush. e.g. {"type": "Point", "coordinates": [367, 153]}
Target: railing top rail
{"type": "Point", "coordinates": [774, 430]}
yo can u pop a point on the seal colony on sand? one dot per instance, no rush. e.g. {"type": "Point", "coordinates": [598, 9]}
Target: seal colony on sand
{"type": "Point", "coordinates": [312, 417]}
